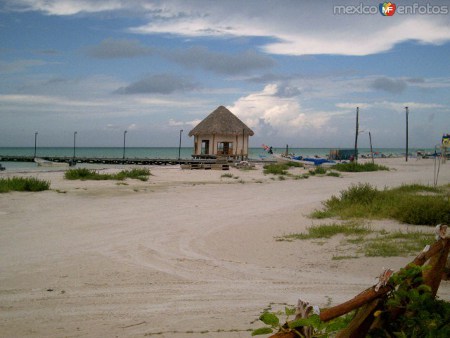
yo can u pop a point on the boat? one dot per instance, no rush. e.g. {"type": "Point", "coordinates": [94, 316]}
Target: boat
{"type": "Point", "coordinates": [45, 163]}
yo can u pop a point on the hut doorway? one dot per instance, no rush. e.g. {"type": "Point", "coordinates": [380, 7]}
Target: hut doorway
{"type": "Point", "coordinates": [205, 147]}
{"type": "Point", "coordinates": [225, 148]}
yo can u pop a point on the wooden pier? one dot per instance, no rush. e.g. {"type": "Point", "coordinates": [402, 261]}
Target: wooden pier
{"type": "Point", "coordinates": [135, 161]}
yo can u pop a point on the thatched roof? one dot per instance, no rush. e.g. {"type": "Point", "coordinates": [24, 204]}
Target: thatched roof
{"type": "Point", "coordinates": [221, 122]}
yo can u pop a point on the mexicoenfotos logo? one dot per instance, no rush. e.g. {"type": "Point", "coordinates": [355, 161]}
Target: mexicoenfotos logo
{"type": "Point", "coordinates": [387, 8]}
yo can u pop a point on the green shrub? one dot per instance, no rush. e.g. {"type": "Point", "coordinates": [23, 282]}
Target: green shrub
{"type": "Point", "coordinates": [357, 167]}
{"type": "Point", "coordinates": [23, 184]}
{"type": "Point", "coordinates": [428, 210]}
{"type": "Point", "coordinates": [412, 204]}
{"type": "Point", "coordinates": [88, 174]}
{"type": "Point", "coordinates": [318, 171]}
{"type": "Point", "coordinates": [276, 169]}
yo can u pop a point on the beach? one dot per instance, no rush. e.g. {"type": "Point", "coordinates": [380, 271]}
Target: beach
{"type": "Point", "coordinates": [189, 253]}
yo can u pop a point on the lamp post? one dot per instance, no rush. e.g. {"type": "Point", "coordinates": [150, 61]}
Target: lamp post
{"type": "Point", "coordinates": [407, 113]}
{"type": "Point", "coordinates": [179, 146]}
{"type": "Point", "coordinates": [35, 143]}
{"type": "Point", "coordinates": [74, 143]}
{"type": "Point", "coordinates": [356, 135]}
{"type": "Point", "coordinates": [124, 137]}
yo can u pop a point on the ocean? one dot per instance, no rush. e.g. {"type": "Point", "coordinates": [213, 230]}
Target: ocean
{"type": "Point", "coordinates": [255, 153]}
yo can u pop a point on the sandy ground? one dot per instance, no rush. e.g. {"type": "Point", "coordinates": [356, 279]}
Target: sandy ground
{"type": "Point", "coordinates": [186, 254]}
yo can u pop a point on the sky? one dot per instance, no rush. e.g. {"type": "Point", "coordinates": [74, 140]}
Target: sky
{"type": "Point", "coordinates": [294, 71]}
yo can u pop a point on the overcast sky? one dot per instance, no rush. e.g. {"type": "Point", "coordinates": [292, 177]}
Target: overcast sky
{"type": "Point", "coordinates": [293, 71]}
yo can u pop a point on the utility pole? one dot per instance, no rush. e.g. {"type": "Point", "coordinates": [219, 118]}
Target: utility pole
{"type": "Point", "coordinates": [407, 113]}
{"type": "Point", "coordinates": [124, 137]}
{"type": "Point", "coordinates": [179, 147]}
{"type": "Point", "coordinates": [35, 143]}
{"type": "Point", "coordinates": [356, 135]}
{"type": "Point", "coordinates": [74, 143]}
{"type": "Point", "coordinates": [371, 149]}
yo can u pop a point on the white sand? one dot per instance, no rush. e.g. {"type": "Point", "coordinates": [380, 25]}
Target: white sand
{"type": "Point", "coordinates": [187, 251]}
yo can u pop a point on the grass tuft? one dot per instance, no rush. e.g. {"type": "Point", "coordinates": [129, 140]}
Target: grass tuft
{"type": "Point", "coordinates": [411, 204]}
{"type": "Point", "coordinates": [23, 184]}
{"type": "Point", "coordinates": [358, 167]}
{"type": "Point", "coordinates": [87, 174]}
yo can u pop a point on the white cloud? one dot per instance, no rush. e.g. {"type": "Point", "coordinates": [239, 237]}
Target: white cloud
{"type": "Point", "coordinates": [67, 7]}
{"type": "Point", "coordinates": [263, 110]}
{"type": "Point", "coordinates": [293, 28]}
{"type": "Point", "coordinates": [19, 65]}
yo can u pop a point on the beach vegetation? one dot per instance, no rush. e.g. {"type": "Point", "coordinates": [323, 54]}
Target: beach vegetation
{"type": "Point", "coordinates": [276, 169]}
{"type": "Point", "coordinates": [279, 321]}
{"type": "Point", "coordinates": [23, 184]}
{"type": "Point", "coordinates": [301, 177]}
{"type": "Point", "coordinates": [333, 174]}
{"type": "Point", "coordinates": [227, 175]}
{"type": "Point", "coordinates": [89, 174]}
{"type": "Point", "coordinates": [359, 167]}
{"type": "Point", "coordinates": [328, 231]}
{"type": "Point", "coordinates": [318, 171]}
{"type": "Point", "coordinates": [411, 204]}
{"type": "Point", "coordinates": [369, 242]}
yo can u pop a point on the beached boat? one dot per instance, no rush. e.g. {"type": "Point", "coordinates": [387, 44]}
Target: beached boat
{"type": "Point", "coordinates": [44, 163]}
{"type": "Point", "coordinates": [305, 160]}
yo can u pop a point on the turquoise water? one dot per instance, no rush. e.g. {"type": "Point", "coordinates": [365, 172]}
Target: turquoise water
{"type": "Point", "coordinates": [172, 152]}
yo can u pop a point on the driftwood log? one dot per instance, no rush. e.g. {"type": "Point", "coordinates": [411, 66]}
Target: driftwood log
{"type": "Point", "coordinates": [370, 299]}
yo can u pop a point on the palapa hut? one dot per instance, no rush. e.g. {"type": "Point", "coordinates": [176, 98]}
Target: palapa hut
{"type": "Point", "coordinates": [221, 133]}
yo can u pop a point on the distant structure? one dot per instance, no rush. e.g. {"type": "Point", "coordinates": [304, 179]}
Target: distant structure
{"type": "Point", "coordinates": [221, 134]}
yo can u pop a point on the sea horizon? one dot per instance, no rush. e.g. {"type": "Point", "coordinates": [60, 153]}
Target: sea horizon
{"type": "Point", "coordinates": [183, 152]}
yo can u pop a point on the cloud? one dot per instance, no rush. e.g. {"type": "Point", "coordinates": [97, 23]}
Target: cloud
{"type": "Point", "coordinates": [158, 84]}
{"type": "Point", "coordinates": [266, 111]}
{"type": "Point", "coordinates": [308, 28]}
{"type": "Point", "coordinates": [19, 65]}
{"type": "Point", "coordinates": [352, 106]}
{"type": "Point", "coordinates": [222, 63]}
{"type": "Point", "coordinates": [118, 48]}
{"type": "Point", "coordinates": [292, 30]}
{"type": "Point", "coordinates": [65, 7]}
{"type": "Point", "coordinates": [394, 86]}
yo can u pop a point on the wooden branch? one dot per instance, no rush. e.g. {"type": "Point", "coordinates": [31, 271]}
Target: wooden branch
{"type": "Point", "coordinates": [434, 249]}
{"type": "Point", "coordinates": [438, 253]}
{"type": "Point", "coordinates": [364, 297]}
{"type": "Point", "coordinates": [361, 323]}
{"type": "Point", "coordinates": [433, 277]}
{"type": "Point", "coordinates": [370, 294]}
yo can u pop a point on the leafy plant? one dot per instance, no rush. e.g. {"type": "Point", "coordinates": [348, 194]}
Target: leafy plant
{"type": "Point", "coordinates": [411, 310]}
{"type": "Point", "coordinates": [312, 322]}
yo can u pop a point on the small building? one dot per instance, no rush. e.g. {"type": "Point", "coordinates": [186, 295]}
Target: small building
{"type": "Point", "coordinates": [221, 134]}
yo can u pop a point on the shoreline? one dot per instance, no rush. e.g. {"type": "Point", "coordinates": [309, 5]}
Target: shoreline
{"type": "Point", "coordinates": [187, 251]}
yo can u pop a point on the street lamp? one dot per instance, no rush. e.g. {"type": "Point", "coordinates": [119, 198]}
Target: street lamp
{"type": "Point", "coordinates": [407, 113]}
{"type": "Point", "coordinates": [74, 143]}
{"type": "Point", "coordinates": [124, 137]}
{"type": "Point", "coordinates": [179, 146]}
{"type": "Point", "coordinates": [35, 143]}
